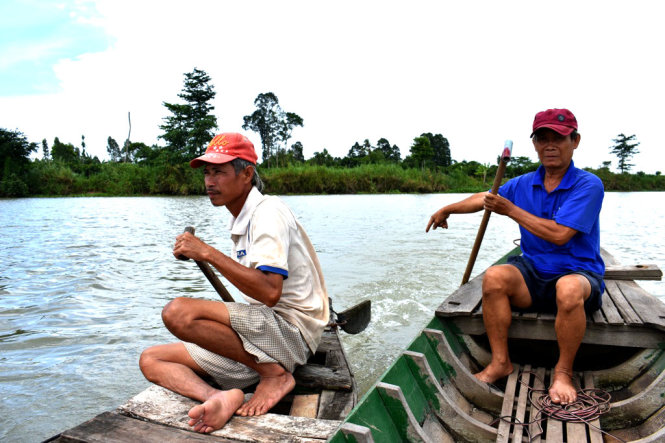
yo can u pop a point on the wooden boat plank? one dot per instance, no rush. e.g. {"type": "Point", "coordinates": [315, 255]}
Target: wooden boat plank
{"type": "Point", "coordinates": [652, 430]}
{"type": "Point", "coordinates": [595, 436]}
{"type": "Point", "coordinates": [576, 431]}
{"type": "Point", "coordinates": [435, 431]}
{"type": "Point", "coordinates": [638, 336]}
{"type": "Point", "coordinates": [520, 410]}
{"type": "Point", "coordinates": [655, 423]}
{"type": "Point", "coordinates": [628, 314]}
{"type": "Point", "coordinates": [464, 300]}
{"type": "Point", "coordinates": [110, 427]}
{"type": "Point", "coordinates": [397, 406]}
{"type": "Point", "coordinates": [477, 392]}
{"type": "Point", "coordinates": [650, 310]}
{"type": "Point", "coordinates": [553, 428]}
{"type": "Point", "coordinates": [624, 373]}
{"type": "Point", "coordinates": [598, 317]}
{"type": "Point", "coordinates": [318, 376]}
{"type": "Point", "coordinates": [503, 433]}
{"type": "Point", "coordinates": [449, 404]}
{"type": "Point", "coordinates": [305, 406]}
{"type": "Point", "coordinates": [332, 374]}
{"type": "Point", "coordinates": [647, 399]}
{"type": "Point", "coordinates": [633, 272]}
{"type": "Point", "coordinates": [358, 433]}
{"type": "Point", "coordinates": [335, 404]}
{"type": "Point", "coordinates": [400, 375]}
{"type": "Point", "coordinates": [535, 428]}
{"type": "Point", "coordinates": [609, 309]}
{"type": "Point", "coordinates": [608, 258]}
{"type": "Point", "coordinates": [160, 405]}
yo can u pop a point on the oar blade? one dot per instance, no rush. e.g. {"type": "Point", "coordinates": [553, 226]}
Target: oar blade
{"type": "Point", "coordinates": [355, 319]}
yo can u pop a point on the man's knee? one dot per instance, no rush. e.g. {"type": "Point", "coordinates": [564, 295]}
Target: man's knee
{"type": "Point", "coordinates": [496, 281]}
{"type": "Point", "coordinates": [148, 359]}
{"type": "Point", "coordinates": [571, 291]}
{"type": "Point", "coordinates": [175, 315]}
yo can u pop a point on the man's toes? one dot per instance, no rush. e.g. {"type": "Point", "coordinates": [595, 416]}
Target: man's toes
{"type": "Point", "coordinates": [196, 412]}
{"type": "Point", "coordinates": [555, 397]}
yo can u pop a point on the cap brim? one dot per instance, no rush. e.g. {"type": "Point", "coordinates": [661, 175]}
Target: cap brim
{"type": "Point", "coordinates": [211, 157]}
{"type": "Point", "coordinates": [563, 130]}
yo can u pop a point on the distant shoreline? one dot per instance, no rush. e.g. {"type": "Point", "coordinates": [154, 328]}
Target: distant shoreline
{"type": "Point", "coordinates": [54, 179]}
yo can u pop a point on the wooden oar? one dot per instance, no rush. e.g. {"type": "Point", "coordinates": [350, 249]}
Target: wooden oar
{"type": "Point", "coordinates": [355, 319]}
{"type": "Point", "coordinates": [505, 158]}
{"type": "Point", "coordinates": [210, 274]}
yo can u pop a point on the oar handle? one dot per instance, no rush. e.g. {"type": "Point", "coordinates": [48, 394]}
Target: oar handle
{"type": "Point", "coordinates": [191, 230]}
{"type": "Point", "coordinates": [210, 274]}
{"type": "Point", "coordinates": [505, 158]}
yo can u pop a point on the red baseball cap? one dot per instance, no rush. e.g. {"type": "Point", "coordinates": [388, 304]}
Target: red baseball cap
{"type": "Point", "coordinates": [560, 120]}
{"type": "Point", "coordinates": [226, 147]}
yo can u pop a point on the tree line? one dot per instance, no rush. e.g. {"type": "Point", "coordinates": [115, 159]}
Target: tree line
{"type": "Point", "coordinates": [142, 169]}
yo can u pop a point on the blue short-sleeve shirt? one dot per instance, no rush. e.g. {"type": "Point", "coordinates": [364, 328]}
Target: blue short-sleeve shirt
{"type": "Point", "coordinates": [575, 203]}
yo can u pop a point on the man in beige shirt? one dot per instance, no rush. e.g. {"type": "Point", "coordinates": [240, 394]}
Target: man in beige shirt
{"type": "Point", "coordinates": [275, 267]}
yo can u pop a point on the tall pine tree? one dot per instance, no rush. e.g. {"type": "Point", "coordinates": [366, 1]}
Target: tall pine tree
{"type": "Point", "coordinates": [191, 126]}
{"type": "Point", "coordinates": [624, 150]}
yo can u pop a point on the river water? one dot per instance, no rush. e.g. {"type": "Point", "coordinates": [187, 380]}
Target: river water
{"type": "Point", "coordinates": [83, 282]}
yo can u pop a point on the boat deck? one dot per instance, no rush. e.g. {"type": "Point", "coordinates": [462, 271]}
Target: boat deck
{"type": "Point", "coordinates": [325, 393]}
{"type": "Point", "coordinates": [630, 316]}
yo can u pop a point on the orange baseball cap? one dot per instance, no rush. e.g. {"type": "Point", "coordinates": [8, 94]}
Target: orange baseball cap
{"type": "Point", "coordinates": [226, 147]}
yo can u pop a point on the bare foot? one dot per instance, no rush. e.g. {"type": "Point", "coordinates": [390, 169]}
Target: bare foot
{"type": "Point", "coordinates": [562, 390]}
{"type": "Point", "coordinates": [494, 371]}
{"type": "Point", "coordinates": [269, 392]}
{"type": "Point", "coordinates": [215, 411]}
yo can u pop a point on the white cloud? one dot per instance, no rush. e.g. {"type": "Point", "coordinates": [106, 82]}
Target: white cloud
{"type": "Point", "coordinates": [474, 71]}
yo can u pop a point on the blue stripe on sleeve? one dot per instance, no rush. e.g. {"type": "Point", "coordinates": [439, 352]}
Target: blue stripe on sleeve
{"type": "Point", "coordinates": [274, 270]}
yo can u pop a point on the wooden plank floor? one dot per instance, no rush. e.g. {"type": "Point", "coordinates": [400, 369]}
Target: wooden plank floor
{"type": "Point", "coordinates": [630, 316]}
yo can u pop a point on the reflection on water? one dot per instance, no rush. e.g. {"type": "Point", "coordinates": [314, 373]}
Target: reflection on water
{"type": "Point", "coordinates": [83, 281]}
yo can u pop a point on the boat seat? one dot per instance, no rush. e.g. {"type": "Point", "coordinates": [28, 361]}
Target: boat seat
{"type": "Point", "coordinates": [629, 317]}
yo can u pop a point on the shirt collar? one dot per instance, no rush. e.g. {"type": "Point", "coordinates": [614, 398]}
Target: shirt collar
{"type": "Point", "coordinates": [566, 182]}
{"type": "Point", "coordinates": [238, 225]}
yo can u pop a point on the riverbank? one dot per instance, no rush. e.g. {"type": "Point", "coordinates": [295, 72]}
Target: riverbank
{"type": "Point", "coordinates": [50, 178]}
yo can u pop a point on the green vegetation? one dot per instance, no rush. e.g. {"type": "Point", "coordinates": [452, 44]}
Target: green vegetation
{"type": "Point", "coordinates": [139, 169]}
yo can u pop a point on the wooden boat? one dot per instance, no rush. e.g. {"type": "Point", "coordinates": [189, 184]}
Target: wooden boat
{"type": "Point", "coordinates": [429, 393]}
{"type": "Point", "coordinates": [325, 392]}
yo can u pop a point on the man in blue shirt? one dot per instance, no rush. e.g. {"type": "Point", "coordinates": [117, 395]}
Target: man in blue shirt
{"type": "Point", "coordinates": [560, 271]}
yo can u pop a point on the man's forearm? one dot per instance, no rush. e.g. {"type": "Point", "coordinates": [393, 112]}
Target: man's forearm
{"type": "Point", "coordinates": [548, 230]}
{"type": "Point", "coordinates": [473, 203]}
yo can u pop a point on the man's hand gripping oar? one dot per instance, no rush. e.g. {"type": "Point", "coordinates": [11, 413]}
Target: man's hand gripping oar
{"type": "Point", "coordinates": [210, 274]}
{"type": "Point", "coordinates": [505, 158]}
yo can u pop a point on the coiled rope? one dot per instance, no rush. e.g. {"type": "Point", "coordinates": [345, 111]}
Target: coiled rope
{"type": "Point", "coordinates": [590, 405]}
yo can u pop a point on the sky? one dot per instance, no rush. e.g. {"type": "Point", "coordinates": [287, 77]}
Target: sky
{"type": "Point", "coordinates": [475, 71]}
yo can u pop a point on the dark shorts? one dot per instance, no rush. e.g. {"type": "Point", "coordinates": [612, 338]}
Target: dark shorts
{"type": "Point", "coordinates": [543, 289]}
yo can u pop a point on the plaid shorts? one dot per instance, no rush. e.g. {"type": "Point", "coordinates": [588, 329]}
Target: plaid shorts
{"type": "Point", "coordinates": [265, 335]}
{"type": "Point", "coordinates": [543, 288]}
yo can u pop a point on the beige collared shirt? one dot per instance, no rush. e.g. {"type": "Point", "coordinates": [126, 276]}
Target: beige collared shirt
{"type": "Point", "coordinates": [267, 236]}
